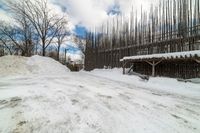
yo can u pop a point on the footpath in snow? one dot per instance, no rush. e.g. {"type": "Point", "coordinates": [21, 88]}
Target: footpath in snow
{"type": "Point", "coordinates": [39, 95]}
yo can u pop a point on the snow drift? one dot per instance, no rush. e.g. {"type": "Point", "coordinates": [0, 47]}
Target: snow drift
{"type": "Point", "coordinates": [17, 65]}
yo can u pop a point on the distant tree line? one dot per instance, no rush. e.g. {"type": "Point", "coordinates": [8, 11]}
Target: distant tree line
{"type": "Point", "coordinates": [34, 29]}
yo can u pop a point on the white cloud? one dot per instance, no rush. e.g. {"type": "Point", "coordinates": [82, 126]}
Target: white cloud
{"type": "Point", "coordinates": [90, 13]}
{"type": "Point", "coordinates": [5, 16]}
{"type": "Point", "coordinates": [87, 13]}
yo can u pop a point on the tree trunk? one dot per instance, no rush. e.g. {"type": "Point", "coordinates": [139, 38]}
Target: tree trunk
{"type": "Point", "coordinates": [43, 52]}
{"type": "Point", "coordinates": [58, 54]}
{"type": "Point", "coordinates": [43, 48]}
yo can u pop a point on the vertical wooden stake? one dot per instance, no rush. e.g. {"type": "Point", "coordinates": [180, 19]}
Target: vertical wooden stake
{"type": "Point", "coordinates": [153, 68]}
{"type": "Point", "coordinates": [123, 67]}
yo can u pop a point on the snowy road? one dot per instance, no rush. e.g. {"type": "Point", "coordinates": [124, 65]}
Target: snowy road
{"type": "Point", "coordinates": [85, 103]}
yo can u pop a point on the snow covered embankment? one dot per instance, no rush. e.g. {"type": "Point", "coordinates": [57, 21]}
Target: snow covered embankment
{"type": "Point", "coordinates": [17, 65]}
{"type": "Point", "coordinates": [168, 85]}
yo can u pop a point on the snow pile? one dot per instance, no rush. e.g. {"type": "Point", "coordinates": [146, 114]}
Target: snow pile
{"type": "Point", "coordinates": [17, 65]}
{"type": "Point", "coordinates": [10, 65]}
{"type": "Point", "coordinates": [45, 65]}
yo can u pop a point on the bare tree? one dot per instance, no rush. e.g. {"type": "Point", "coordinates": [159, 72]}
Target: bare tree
{"type": "Point", "coordinates": [21, 33]}
{"type": "Point", "coordinates": [9, 37]}
{"type": "Point", "coordinates": [61, 35]}
{"type": "Point", "coordinates": [26, 33]}
{"type": "Point", "coordinates": [80, 42]}
{"type": "Point", "coordinates": [1, 49]}
{"type": "Point", "coordinates": [41, 17]}
{"type": "Point", "coordinates": [4, 41]}
{"type": "Point", "coordinates": [17, 36]}
{"type": "Point", "coordinates": [4, 44]}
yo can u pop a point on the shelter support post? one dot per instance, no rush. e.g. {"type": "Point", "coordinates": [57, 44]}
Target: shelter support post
{"type": "Point", "coordinates": [153, 69]}
{"type": "Point", "coordinates": [124, 67]}
{"type": "Point", "coordinates": [154, 64]}
{"type": "Point", "coordinates": [125, 62]}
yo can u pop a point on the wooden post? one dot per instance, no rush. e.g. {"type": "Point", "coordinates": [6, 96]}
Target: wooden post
{"type": "Point", "coordinates": [154, 64]}
{"type": "Point", "coordinates": [153, 68]}
{"type": "Point", "coordinates": [124, 67]}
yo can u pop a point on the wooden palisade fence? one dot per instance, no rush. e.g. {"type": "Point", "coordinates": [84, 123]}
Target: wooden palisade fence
{"type": "Point", "coordinates": [172, 26]}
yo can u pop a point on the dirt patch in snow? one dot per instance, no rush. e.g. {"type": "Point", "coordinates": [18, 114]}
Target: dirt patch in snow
{"type": "Point", "coordinates": [10, 103]}
{"type": "Point", "coordinates": [17, 65]}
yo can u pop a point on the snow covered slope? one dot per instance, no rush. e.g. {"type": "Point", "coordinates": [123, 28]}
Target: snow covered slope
{"type": "Point", "coordinates": [17, 65]}
{"type": "Point", "coordinates": [10, 65]}
{"type": "Point", "coordinates": [45, 65]}
{"type": "Point", "coordinates": [163, 84]}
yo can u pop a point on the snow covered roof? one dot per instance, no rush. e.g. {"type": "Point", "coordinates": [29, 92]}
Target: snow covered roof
{"type": "Point", "coordinates": [186, 54]}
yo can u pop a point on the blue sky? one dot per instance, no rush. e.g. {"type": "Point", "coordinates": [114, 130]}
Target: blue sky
{"type": "Point", "coordinates": [72, 49]}
{"type": "Point", "coordinates": [114, 10]}
{"type": "Point", "coordinates": [80, 30]}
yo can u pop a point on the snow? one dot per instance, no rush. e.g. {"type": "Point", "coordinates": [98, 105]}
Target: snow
{"type": "Point", "coordinates": [45, 65]}
{"type": "Point", "coordinates": [101, 101]}
{"type": "Point", "coordinates": [165, 55]}
{"type": "Point", "coordinates": [168, 85]}
{"type": "Point", "coordinates": [17, 65]}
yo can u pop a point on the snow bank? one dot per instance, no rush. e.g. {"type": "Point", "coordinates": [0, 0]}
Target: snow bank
{"type": "Point", "coordinates": [169, 85]}
{"type": "Point", "coordinates": [10, 65]}
{"type": "Point", "coordinates": [45, 65]}
{"type": "Point", "coordinates": [17, 65]}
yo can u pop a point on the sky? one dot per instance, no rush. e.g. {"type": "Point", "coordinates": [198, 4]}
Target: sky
{"type": "Point", "coordinates": [86, 14]}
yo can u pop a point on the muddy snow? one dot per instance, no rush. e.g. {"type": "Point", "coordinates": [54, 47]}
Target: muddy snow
{"type": "Point", "coordinates": [39, 95]}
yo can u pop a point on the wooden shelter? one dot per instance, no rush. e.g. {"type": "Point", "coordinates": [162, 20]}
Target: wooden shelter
{"type": "Point", "coordinates": [173, 62]}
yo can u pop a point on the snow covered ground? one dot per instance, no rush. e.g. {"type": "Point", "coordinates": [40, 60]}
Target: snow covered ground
{"type": "Point", "coordinates": [39, 95]}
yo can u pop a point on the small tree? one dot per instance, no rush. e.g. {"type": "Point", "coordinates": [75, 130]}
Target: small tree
{"type": "Point", "coordinates": [26, 34]}
{"type": "Point", "coordinates": [81, 43]}
{"type": "Point", "coordinates": [9, 37]}
{"type": "Point", "coordinates": [5, 43]}
{"type": "Point", "coordinates": [17, 37]}
{"type": "Point", "coordinates": [61, 36]}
